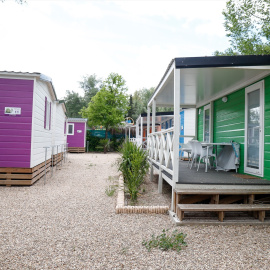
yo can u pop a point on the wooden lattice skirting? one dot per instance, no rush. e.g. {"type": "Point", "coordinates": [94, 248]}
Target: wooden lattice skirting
{"type": "Point", "coordinates": [76, 150]}
{"type": "Point", "coordinates": [23, 176]}
{"type": "Point", "coordinates": [122, 209]}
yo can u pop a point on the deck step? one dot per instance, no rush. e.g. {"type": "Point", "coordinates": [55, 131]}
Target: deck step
{"type": "Point", "coordinates": [224, 191]}
{"type": "Point", "coordinates": [221, 208]}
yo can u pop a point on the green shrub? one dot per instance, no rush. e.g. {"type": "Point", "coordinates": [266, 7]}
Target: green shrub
{"type": "Point", "coordinates": [93, 142]}
{"type": "Point", "coordinates": [134, 166]}
{"type": "Point", "coordinates": [116, 143]}
{"type": "Point", "coordinates": [105, 143]}
{"type": "Point", "coordinates": [175, 241]}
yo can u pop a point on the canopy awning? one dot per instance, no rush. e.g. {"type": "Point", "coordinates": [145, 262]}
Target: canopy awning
{"type": "Point", "coordinates": [204, 80]}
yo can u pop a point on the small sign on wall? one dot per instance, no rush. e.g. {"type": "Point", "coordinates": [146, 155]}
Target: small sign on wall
{"type": "Point", "coordinates": [12, 111]}
{"type": "Point", "coordinates": [79, 131]}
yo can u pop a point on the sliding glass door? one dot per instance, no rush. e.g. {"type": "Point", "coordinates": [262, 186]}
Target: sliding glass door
{"type": "Point", "coordinates": [254, 127]}
{"type": "Point", "coordinates": [207, 123]}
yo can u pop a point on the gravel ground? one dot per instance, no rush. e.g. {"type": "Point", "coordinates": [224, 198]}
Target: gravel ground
{"type": "Point", "coordinates": [70, 223]}
{"type": "Point", "coordinates": [149, 195]}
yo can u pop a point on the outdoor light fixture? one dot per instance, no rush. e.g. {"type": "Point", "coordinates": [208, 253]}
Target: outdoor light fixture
{"type": "Point", "coordinates": [224, 99]}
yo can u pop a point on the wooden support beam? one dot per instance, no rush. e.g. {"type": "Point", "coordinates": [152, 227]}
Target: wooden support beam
{"type": "Point", "coordinates": [194, 199]}
{"type": "Point", "coordinates": [231, 199]}
{"type": "Point", "coordinates": [215, 199]}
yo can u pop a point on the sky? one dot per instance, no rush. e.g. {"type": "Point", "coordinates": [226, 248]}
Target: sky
{"type": "Point", "coordinates": [67, 40]}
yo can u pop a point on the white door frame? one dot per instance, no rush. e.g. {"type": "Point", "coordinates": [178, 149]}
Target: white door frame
{"type": "Point", "coordinates": [209, 106]}
{"type": "Point", "coordinates": [251, 88]}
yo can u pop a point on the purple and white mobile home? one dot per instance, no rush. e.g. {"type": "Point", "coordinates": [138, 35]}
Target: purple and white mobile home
{"type": "Point", "coordinates": [31, 118]}
{"type": "Point", "coordinates": [76, 134]}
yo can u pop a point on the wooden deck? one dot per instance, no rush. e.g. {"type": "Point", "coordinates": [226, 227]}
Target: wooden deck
{"type": "Point", "coordinates": [76, 149]}
{"type": "Point", "coordinates": [220, 188]}
{"type": "Point", "coordinates": [23, 176]}
{"type": "Point", "coordinates": [27, 176]}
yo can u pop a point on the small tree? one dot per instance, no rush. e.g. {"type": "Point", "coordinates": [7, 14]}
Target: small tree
{"type": "Point", "coordinates": [109, 106]}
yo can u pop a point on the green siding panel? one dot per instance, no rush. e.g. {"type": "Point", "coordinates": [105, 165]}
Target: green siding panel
{"type": "Point", "coordinates": [229, 123]}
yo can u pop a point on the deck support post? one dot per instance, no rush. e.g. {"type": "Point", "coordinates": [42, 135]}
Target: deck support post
{"type": "Point", "coordinates": [141, 142]}
{"type": "Point", "coordinates": [148, 128]}
{"type": "Point", "coordinates": [176, 131]}
{"type": "Point", "coordinates": [153, 115]}
{"type": "Point", "coordinates": [151, 171]}
{"type": "Point", "coordinates": [160, 181]}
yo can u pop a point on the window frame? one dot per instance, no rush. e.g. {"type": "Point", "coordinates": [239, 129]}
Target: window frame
{"type": "Point", "coordinates": [47, 114]}
{"type": "Point", "coordinates": [70, 124]}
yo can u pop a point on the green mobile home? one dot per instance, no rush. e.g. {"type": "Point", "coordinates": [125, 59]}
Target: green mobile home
{"type": "Point", "coordinates": [242, 116]}
{"type": "Point", "coordinates": [231, 95]}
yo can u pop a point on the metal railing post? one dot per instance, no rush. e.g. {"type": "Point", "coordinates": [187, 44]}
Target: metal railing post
{"type": "Point", "coordinates": [52, 159]}
{"type": "Point", "coordinates": [45, 174]}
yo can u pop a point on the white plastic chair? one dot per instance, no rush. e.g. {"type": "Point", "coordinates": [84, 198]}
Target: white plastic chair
{"type": "Point", "coordinates": [193, 153]}
{"type": "Point", "coordinates": [201, 153]}
{"type": "Point", "coordinates": [186, 148]}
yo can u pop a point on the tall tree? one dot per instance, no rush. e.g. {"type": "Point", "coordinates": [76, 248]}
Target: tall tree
{"type": "Point", "coordinates": [247, 23]}
{"type": "Point", "coordinates": [140, 100]}
{"type": "Point", "coordinates": [131, 108]}
{"type": "Point", "coordinates": [91, 85]}
{"type": "Point", "coordinates": [110, 105]}
{"type": "Point", "coordinates": [74, 103]}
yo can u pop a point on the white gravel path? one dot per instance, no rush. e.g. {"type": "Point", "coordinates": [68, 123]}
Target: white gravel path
{"type": "Point", "coordinates": [70, 223]}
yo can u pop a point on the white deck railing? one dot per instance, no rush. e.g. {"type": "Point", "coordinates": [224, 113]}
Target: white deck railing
{"type": "Point", "coordinates": [160, 147]}
{"type": "Point", "coordinates": [137, 141]}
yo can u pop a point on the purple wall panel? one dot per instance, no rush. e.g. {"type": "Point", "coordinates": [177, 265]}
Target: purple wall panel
{"type": "Point", "coordinates": [15, 94]}
{"type": "Point", "coordinates": [15, 131]}
{"type": "Point", "coordinates": [76, 140]}
{"type": "Point", "coordinates": [11, 152]}
{"type": "Point", "coordinates": [12, 138]}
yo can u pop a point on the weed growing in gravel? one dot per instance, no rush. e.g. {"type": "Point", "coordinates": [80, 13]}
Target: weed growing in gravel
{"type": "Point", "coordinates": [110, 190]}
{"type": "Point", "coordinates": [164, 241]}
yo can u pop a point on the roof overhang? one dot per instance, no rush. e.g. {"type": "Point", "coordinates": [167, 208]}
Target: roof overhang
{"type": "Point", "coordinates": [31, 75]}
{"type": "Point", "coordinates": [203, 79]}
{"type": "Point", "coordinates": [161, 117]}
{"type": "Point", "coordinates": [77, 120]}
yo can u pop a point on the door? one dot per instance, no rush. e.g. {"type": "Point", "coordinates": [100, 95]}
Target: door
{"type": "Point", "coordinates": [207, 123]}
{"type": "Point", "coordinates": [254, 129]}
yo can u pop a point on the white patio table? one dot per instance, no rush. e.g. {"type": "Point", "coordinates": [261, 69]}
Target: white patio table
{"type": "Point", "coordinates": [215, 145]}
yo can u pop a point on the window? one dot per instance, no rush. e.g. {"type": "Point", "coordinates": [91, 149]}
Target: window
{"type": "Point", "coordinates": [47, 114]}
{"type": "Point", "coordinates": [70, 129]}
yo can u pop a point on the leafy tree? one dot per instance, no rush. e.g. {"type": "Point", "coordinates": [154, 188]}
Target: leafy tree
{"type": "Point", "coordinates": [247, 23]}
{"type": "Point", "coordinates": [109, 106]}
{"type": "Point", "coordinates": [131, 108]}
{"type": "Point", "coordinates": [91, 85]}
{"type": "Point", "coordinates": [74, 103]}
{"type": "Point", "coordinates": [141, 99]}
